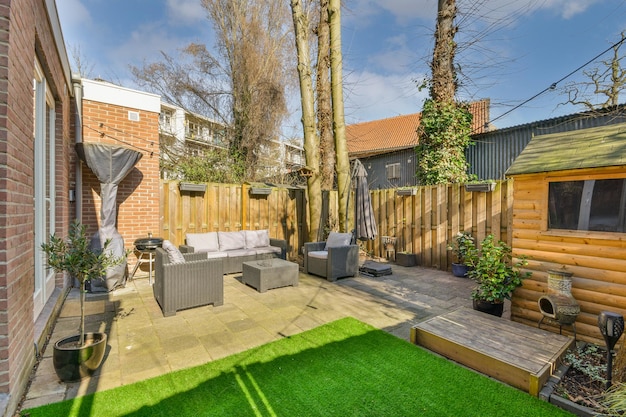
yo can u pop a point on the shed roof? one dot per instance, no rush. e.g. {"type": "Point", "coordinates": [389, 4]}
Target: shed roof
{"type": "Point", "coordinates": [400, 132]}
{"type": "Point", "coordinates": [586, 148]}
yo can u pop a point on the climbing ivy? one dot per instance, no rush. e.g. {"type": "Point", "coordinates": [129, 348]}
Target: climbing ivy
{"type": "Point", "coordinates": [444, 133]}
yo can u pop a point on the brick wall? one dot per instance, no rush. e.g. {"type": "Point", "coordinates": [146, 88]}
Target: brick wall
{"type": "Point", "coordinates": [24, 35]}
{"type": "Point", "coordinates": [138, 193]}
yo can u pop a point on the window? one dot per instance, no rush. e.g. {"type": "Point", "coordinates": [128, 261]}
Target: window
{"type": "Point", "coordinates": [44, 185]}
{"type": "Point", "coordinates": [165, 121]}
{"type": "Point", "coordinates": [393, 171]}
{"type": "Point", "coordinates": [593, 205]}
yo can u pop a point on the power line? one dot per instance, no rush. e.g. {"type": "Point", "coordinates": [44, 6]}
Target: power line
{"type": "Point", "coordinates": [554, 84]}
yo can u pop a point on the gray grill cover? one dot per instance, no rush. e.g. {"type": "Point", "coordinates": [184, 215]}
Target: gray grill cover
{"type": "Point", "coordinates": [110, 164]}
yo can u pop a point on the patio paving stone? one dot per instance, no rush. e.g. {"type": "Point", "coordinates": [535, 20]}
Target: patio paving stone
{"type": "Point", "coordinates": [144, 344]}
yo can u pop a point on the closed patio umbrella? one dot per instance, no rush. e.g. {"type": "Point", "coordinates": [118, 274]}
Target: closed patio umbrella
{"type": "Point", "coordinates": [364, 221]}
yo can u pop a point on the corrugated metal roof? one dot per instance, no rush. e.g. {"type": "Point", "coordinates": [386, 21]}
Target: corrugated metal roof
{"type": "Point", "coordinates": [586, 148]}
{"type": "Point", "coordinates": [400, 132]}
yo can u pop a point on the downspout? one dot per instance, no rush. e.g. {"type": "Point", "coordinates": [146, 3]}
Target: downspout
{"type": "Point", "coordinates": [78, 188]}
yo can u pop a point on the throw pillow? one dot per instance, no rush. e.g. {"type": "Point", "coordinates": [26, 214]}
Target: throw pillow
{"type": "Point", "coordinates": [336, 239]}
{"type": "Point", "coordinates": [174, 255]}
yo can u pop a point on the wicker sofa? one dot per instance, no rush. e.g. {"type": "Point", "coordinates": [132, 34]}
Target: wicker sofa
{"type": "Point", "coordinates": [180, 285]}
{"type": "Point", "coordinates": [235, 248]}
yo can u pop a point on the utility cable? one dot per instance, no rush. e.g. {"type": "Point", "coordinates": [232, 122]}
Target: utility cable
{"type": "Point", "coordinates": [554, 84]}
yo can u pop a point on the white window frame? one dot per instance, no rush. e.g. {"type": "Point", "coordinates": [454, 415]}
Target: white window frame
{"type": "Point", "coordinates": [44, 116]}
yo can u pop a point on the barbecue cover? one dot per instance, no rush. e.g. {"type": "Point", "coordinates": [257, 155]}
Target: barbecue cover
{"type": "Point", "coordinates": [110, 164]}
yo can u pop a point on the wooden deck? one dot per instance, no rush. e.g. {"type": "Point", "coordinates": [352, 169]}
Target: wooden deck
{"type": "Point", "coordinates": [514, 353]}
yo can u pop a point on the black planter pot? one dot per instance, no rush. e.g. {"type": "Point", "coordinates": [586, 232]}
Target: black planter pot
{"type": "Point", "coordinates": [460, 270]}
{"type": "Point", "coordinates": [72, 363]}
{"type": "Point", "coordinates": [406, 259]}
{"type": "Point", "coordinates": [495, 309]}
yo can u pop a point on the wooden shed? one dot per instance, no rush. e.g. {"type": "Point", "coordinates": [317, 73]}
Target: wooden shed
{"type": "Point", "coordinates": [569, 213]}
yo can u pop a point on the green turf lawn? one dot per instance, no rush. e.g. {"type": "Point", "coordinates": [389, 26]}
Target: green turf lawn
{"type": "Point", "coordinates": [345, 368]}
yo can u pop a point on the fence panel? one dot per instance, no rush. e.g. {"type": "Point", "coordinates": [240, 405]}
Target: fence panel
{"type": "Point", "coordinates": [422, 223]}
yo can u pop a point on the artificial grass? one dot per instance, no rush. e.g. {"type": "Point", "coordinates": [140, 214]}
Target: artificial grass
{"type": "Point", "coordinates": [344, 368]}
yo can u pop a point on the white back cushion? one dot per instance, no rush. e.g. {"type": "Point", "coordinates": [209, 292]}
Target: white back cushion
{"type": "Point", "coordinates": [336, 239]}
{"type": "Point", "coordinates": [264, 238]}
{"type": "Point", "coordinates": [203, 242]}
{"type": "Point", "coordinates": [231, 240]}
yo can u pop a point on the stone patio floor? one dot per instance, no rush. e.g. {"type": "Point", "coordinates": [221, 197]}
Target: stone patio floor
{"type": "Point", "coordinates": [144, 344]}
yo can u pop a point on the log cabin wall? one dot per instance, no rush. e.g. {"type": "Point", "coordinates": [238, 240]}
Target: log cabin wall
{"type": "Point", "coordinates": [597, 259]}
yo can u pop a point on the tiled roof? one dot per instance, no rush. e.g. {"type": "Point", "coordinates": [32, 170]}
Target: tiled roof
{"type": "Point", "coordinates": [400, 132]}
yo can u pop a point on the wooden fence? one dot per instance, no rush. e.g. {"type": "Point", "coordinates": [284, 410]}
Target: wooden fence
{"type": "Point", "coordinates": [422, 223]}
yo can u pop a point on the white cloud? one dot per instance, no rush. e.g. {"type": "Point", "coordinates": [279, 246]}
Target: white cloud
{"type": "Point", "coordinates": [72, 14]}
{"type": "Point", "coordinates": [185, 12]}
{"type": "Point", "coordinates": [370, 96]}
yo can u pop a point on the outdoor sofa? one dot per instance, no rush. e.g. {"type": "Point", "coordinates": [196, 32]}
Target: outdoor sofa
{"type": "Point", "coordinates": [335, 258]}
{"type": "Point", "coordinates": [187, 280]}
{"type": "Point", "coordinates": [235, 248]}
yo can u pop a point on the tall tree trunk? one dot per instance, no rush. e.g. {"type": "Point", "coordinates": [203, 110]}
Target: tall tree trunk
{"type": "Point", "coordinates": [324, 109]}
{"type": "Point", "coordinates": [339, 124]}
{"type": "Point", "coordinates": [443, 86]}
{"type": "Point", "coordinates": [311, 140]}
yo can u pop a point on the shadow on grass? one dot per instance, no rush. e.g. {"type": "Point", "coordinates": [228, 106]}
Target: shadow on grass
{"type": "Point", "coordinates": [344, 368]}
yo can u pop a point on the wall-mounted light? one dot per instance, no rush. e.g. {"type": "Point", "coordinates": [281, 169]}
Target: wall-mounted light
{"type": "Point", "coordinates": [72, 196]}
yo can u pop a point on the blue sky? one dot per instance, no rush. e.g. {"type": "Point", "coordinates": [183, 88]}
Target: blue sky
{"type": "Point", "coordinates": [386, 47]}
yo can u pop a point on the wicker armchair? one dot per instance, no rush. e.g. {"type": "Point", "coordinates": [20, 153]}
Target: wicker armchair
{"type": "Point", "coordinates": [329, 261]}
{"type": "Point", "coordinates": [196, 282]}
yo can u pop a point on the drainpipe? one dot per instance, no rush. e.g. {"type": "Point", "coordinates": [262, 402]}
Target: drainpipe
{"type": "Point", "coordinates": [78, 188]}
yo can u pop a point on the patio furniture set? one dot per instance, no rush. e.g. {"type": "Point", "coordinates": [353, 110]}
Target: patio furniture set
{"type": "Point", "coordinates": [193, 274]}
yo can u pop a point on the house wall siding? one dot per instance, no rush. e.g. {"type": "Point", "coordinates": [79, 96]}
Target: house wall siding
{"type": "Point", "coordinates": [138, 193]}
{"type": "Point", "coordinates": [25, 34]}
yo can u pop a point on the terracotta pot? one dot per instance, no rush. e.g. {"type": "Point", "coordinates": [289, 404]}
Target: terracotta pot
{"type": "Point", "coordinates": [72, 363]}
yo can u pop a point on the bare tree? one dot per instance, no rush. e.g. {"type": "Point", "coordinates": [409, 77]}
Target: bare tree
{"type": "Point", "coordinates": [242, 85]}
{"type": "Point", "coordinates": [443, 81]}
{"type": "Point", "coordinates": [311, 139]}
{"type": "Point", "coordinates": [324, 105]}
{"type": "Point", "coordinates": [607, 80]}
{"type": "Point", "coordinates": [339, 124]}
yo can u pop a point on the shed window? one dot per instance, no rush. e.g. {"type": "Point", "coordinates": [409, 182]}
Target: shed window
{"type": "Point", "coordinates": [593, 205]}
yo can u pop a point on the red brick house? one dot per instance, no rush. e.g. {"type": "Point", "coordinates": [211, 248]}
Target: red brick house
{"type": "Point", "coordinates": [36, 160]}
{"type": "Point", "coordinates": [43, 188]}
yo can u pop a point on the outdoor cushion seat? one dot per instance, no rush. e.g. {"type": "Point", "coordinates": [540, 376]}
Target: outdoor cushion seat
{"type": "Point", "coordinates": [335, 258]}
{"type": "Point", "coordinates": [235, 247]}
{"type": "Point", "coordinates": [195, 282]}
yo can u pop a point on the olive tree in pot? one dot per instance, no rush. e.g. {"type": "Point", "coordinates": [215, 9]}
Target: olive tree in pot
{"type": "Point", "coordinates": [79, 355]}
{"type": "Point", "coordinates": [492, 268]}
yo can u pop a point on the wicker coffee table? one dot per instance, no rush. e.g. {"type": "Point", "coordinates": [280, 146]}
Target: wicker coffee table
{"type": "Point", "coordinates": [270, 273]}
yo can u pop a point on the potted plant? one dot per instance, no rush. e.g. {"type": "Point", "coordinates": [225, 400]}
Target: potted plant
{"type": "Point", "coordinates": [405, 258]}
{"type": "Point", "coordinates": [77, 356]}
{"type": "Point", "coordinates": [462, 247]}
{"type": "Point", "coordinates": [496, 275]}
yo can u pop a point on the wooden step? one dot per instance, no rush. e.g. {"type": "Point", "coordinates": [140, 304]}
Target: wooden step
{"type": "Point", "coordinates": [514, 353]}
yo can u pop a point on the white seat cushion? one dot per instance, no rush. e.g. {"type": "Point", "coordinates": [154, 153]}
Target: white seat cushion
{"type": "Point", "coordinates": [318, 254]}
